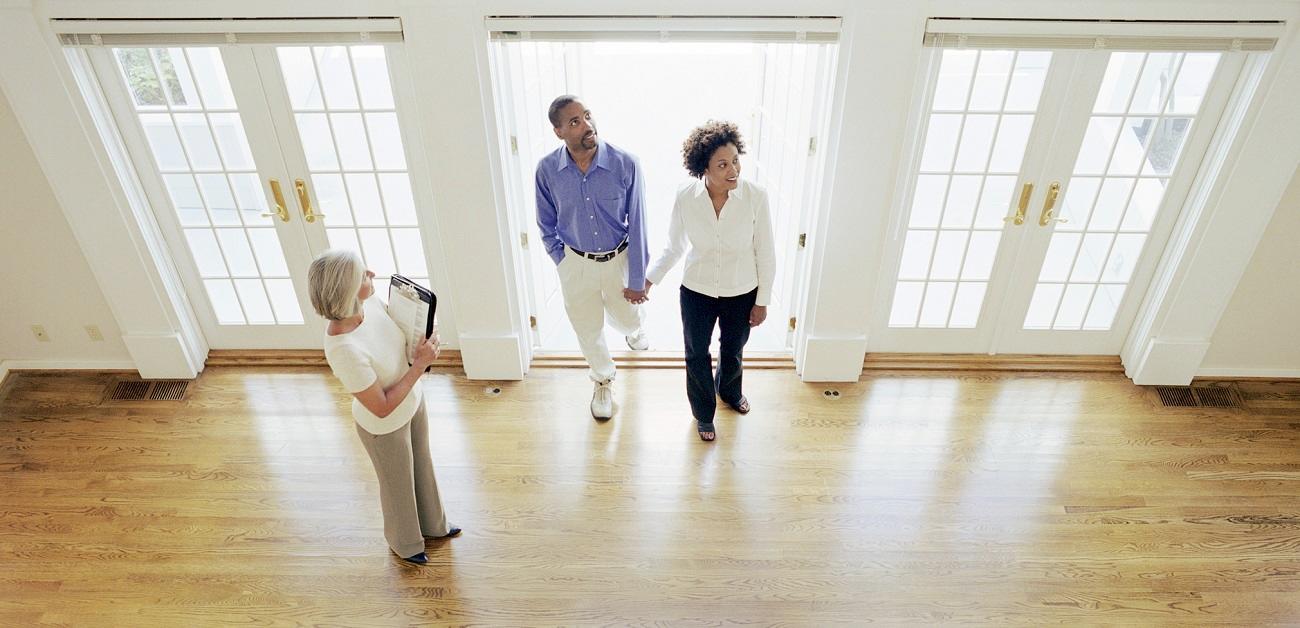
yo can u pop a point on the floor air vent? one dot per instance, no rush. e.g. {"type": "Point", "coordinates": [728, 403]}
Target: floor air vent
{"type": "Point", "coordinates": [1216, 397]}
{"type": "Point", "coordinates": [137, 390]}
{"type": "Point", "coordinates": [129, 391]}
{"type": "Point", "coordinates": [1178, 396]}
{"type": "Point", "coordinates": [1198, 396]}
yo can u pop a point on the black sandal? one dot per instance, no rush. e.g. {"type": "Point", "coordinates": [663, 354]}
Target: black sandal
{"type": "Point", "coordinates": [706, 428]}
{"type": "Point", "coordinates": [742, 407]}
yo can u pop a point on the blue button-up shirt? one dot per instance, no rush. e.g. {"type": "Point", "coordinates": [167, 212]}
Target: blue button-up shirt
{"type": "Point", "coordinates": [594, 211]}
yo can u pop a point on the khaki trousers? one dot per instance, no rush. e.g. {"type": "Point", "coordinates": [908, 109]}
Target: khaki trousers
{"type": "Point", "coordinates": [591, 290]}
{"type": "Point", "coordinates": [408, 491]}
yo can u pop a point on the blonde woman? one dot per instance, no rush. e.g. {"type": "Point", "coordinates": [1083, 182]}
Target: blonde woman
{"type": "Point", "coordinates": [367, 353]}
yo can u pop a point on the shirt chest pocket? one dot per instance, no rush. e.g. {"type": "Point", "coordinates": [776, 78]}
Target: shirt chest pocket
{"type": "Point", "coordinates": [611, 204]}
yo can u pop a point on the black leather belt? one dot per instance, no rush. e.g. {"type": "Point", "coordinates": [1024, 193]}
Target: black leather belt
{"type": "Point", "coordinates": [602, 257]}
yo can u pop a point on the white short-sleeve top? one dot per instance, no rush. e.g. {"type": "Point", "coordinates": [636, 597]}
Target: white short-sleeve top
{"type": "Point", "coordinates": [374, 351]}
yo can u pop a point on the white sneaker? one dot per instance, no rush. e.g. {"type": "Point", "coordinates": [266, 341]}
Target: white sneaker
{"type": "Point", "coordinates": [602, 400]}
{"type": "Point", "coordinates": [637, 341]}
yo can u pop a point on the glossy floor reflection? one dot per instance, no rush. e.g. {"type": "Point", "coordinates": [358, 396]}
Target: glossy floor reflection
{"type": "Point", "coordinates": [909, 498]}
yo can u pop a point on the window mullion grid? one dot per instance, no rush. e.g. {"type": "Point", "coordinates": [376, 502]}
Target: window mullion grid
{"type": "Point", "coordinates": [938, 226]}
{"type": "Point", "coordinates": [370, 147]}
{"type": "Point", "coordinates": [338, 155]}
{"type": "Point", "coordinates": [1128, 199]}
{"type": "Point", "coordinates": [943, 208]}
{"type": "Point", "coordinates": [189, 164]}
{"type": "Point", "coordinates": [984, 177]}
{"type": "Point", "coordinates": [979, 191]}
{"type": "Point", "coordinates": [225, 175]}
{"type": "Point", "coordinates": [1105, 170]}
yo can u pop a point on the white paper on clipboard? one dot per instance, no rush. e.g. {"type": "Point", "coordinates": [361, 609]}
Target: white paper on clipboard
{"type": "Point", "coordinates": [412, 307]}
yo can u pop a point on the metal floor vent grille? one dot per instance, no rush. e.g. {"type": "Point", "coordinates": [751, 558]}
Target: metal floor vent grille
{"type": "Point", "coordinates": [1177, 396]}
{"type": "Point", "coordinates": [1198, 397]}
{"type": "Point", "coordinates": [129, 391]}
{"type": "Point", "coordinates": [1216, 397]}
{"type": "Point", "coordinates": [161, 390]}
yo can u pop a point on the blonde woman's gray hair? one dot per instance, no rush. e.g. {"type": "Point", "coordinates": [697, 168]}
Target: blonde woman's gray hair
{"type": "Point", "coordinates": [334, 279]}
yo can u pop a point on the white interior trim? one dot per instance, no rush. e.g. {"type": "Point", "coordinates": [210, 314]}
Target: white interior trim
{"type": "Point", "coordinates": [762, 29]}
{"type": "Point", "coordinates": [1095, 34]}
{"type": "Point", "coordinates": [151, 238]}
{"type": "Point", "coordinates": [91, 32]}
{"type": "Point", "coordinates": [1261, 373]}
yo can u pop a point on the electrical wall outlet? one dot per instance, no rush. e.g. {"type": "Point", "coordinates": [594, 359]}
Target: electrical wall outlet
{"type": "Point", "coordinates": [94, 333]}
{"type": "Point", "coordinates": [39, 332]}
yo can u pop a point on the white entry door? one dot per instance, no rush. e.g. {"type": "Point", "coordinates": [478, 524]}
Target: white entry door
{"type": "Point", "coordinates": [255, 159]}
{"type": "Point", "coordinates": [1041, 193]}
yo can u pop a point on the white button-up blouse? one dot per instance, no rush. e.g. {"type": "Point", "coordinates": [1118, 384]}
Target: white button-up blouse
{"type": "Point", "coordinates": [729, 253]}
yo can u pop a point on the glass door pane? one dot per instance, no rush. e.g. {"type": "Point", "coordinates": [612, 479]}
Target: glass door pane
{"type": "Point", "coordinates": [977, 129]}
{"type": "Point", "coordinates": [194, 135]}
{"type": "Point", "coordinates": [353, 150]}
{"type": "Point", "coordinates": [1144, 112]}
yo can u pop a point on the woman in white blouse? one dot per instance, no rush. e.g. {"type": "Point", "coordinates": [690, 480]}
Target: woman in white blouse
{"type": "Point", "coordinates": [723, 226]}
{"type": "Point", "coordinates": [367, 352]}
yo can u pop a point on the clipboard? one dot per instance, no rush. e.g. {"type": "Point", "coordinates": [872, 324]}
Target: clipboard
{"type": "Point", "coordinates": [413, 307]}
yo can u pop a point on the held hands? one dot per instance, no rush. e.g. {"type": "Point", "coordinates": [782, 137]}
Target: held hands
{"type": "Point", "coordinates": [427, 352]}
{"type": "Point", "coordinates": [757, 315]}
{"type": "Point", "coordinates": [637, 297]}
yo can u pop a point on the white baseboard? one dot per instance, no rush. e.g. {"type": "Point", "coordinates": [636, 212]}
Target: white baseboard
{"type": "Point", "coordinates": [493, 357]}
{"type": "Point", "coordinates": [833, 358]}
{"type": "Point", "coordinates": [1214, 371]}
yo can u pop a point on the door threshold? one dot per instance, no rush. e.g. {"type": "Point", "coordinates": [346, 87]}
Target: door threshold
{"type": "Point", "coordinates": [656, 359]}
{"type": "Point", "coordinates": [999, 362]}
{"type": "Point", "coordinates": [294, 357]}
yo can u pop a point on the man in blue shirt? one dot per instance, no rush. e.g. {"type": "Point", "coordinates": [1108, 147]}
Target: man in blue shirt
{"type": "Point", "coordinates": [590, 201]}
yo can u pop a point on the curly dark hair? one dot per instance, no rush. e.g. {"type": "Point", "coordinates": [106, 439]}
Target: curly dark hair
{"type": "Point", "coordinates": [704, 141]}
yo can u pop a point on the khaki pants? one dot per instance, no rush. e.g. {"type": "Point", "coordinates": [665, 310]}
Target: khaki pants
{"type": "Point", "coordinates": [592, 289]}
{"type": "Point", "coordinates": [408, 491]}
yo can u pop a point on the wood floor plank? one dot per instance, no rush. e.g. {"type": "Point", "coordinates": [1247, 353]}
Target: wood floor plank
{"type": "Point", "coordinates": [910, 498]}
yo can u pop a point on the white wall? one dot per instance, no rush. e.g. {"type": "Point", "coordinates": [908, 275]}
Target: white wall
{"type": "Point", "coordinates": [48, 281]}
{"type": "Point", "coordinates": [1259, 333]}
{"type": "Point", "coordinates": [447, 57]}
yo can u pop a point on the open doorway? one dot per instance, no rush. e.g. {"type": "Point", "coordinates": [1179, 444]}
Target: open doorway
{"type": "Point", "coordinates": [646, 96]}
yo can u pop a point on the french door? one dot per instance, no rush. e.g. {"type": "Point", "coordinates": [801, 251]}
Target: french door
{"type": "Point", "coordinates": [256, 158]}
{"type": "Point", "coordinates": [1043, 187]}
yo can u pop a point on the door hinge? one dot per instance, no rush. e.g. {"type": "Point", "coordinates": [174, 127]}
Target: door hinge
{"type": "Point", "coordinates": [792, 323]}
{"type": "Point", "coordinates": [532, 322]}
{"type": "Point", "coordinates": [523, 239]}
{"type": "Point", "coordinates": [803, 240]}
{"type": "Point", "coordinates": [514, 145]}
{"type": "Point", "coordinates": [812, 145]}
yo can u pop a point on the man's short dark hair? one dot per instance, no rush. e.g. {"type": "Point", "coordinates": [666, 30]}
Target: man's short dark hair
{"type": "Point", "coordinates": [559, 103]}
{"type": "Point", "coordinates": [704, 141]}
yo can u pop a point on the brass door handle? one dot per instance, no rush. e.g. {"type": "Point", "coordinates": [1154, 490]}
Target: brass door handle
{"type": "Point", "coordinates": [278, 194]}
{"type": "Point", "coordinates": [304, 200]}
{"type": "Point", "coordinates": [1047, 216]}
{"type": "Point", "coordinates": [1026, 191]}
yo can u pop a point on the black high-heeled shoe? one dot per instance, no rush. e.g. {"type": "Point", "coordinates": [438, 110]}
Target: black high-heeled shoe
{"type": "Point", "coordinates": [451, 532]}
{"type": "Point", "coordinates": [418, 559]}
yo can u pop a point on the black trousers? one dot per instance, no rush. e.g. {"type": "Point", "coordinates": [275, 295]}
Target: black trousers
{"type": "Point", "coordinates": [700, 314]}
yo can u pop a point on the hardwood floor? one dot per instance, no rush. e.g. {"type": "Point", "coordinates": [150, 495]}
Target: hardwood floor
{"type": "Point", "coordinates": [909, 498]}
